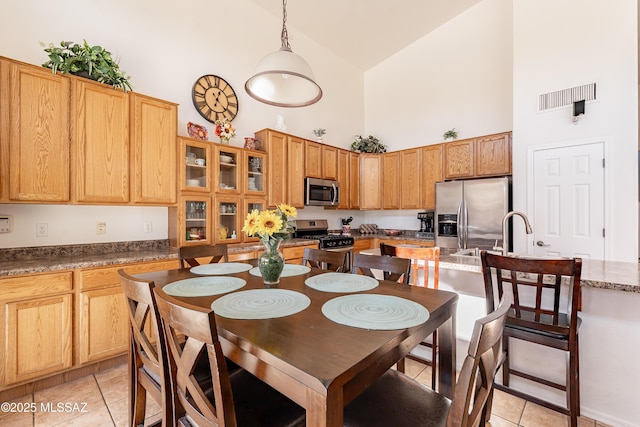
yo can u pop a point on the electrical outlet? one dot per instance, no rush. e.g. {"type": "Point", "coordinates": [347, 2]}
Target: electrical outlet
{"type": "Point", "coordinates": [42, 229]}
{"type": "Point", "coordinates": [101, 227]}
{"type": "Point", "coordinates": [148, 227]}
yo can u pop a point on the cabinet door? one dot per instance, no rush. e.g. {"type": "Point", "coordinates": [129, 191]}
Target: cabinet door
{"type": "Point", "coordinates": [313, 159]}
{"type": "Point", "coordinates": [39, 337]}
{"type": "Point", "coordinates": [38, 132]}
{"type": "Point", "coordinates": [410, 182]}
{"type": "Point", "coordinates": [370, 181]}
{"type": "Point", "coordinates": [251, 204]}
{"type": "Point", "coordinates": [104, 324]}
{"type": "Point", "coordinates": [228, 160]}
{"type": "Point", "coordinates": [254, 173]}
{"type": "Point", "coordinates": [391, 183]}
{"type": "Point", "coordinates": [329, 162]}
{"type": "Point", "coordinates": [192, 219]}
{"type": "Point", "coordinates": [295, 176]}
{"type": "Point", "coordinates": [431, 168]}
{"type": "Point", "coordinates": [354, 180]}
{"type": "Point", "coordinates": [276, 144]}
{"type": "Point", "coordinates": [194, 165]}
{"type": "Point", "coordinates": [154, 124]}
{"type": "Point", "coordinates": [228, 220]}
{"type": "Point", "coordinates": [343, 179]}
{"type": "Point", "coordinates": [493, 155]}
{"type": "Point", "coordinates": [458, 159]}
{"type": "Point", "coordinates": [100, 138]}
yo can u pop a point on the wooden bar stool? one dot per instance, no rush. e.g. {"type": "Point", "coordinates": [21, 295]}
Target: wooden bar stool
{"type": "Point", "coordinates": [190, 254]}
{"type": "Point", "coordinates": [325, 260]}
{"type": "Point", "coordinates": [536, 317]}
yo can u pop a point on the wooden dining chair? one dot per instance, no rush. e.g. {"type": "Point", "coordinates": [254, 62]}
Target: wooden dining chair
{"type": "Point", "coordinates": [190, 254]}
{"type": "Point", "coordinates": [325, 260]}
{"type": "Point", "coordinates": [148, 368]}
{"type": "Point", "coordinates": [400, 401]}
{"type": "Point", "coordinates": [241, 399]}
{"type": "Point", "coordinates": [420, 258]}
{"type": "Point", "coordinates": [393, 269]}
{"type": "Point", "coordinates": [536, 286]}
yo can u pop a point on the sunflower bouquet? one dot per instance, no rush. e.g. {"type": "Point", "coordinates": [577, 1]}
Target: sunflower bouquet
{"type": "Point", "coordinates": [225, 130]}
{"type": "Point", "coordinates": [271, 224]}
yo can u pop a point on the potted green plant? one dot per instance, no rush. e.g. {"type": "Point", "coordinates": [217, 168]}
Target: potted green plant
{"type": "Point", "coordinates": [92, 62]}
{"type": "Point", "coordinates": [370, 144]}
{"type": "Point", "coordinates": [450, 134]}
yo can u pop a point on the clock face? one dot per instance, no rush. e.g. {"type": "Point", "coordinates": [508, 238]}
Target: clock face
{"type": "Point", "coordinates": [214, 98]}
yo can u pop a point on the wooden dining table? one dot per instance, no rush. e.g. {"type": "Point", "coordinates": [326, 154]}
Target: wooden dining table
{"type": "Point", "coordinates": [318, 363]}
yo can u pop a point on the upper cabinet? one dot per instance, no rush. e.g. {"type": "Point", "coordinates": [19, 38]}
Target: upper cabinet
{"type": "Point", "coordinates": [410, 179]}
{"type": "Point", "coordinates": [295, 171]}
{"type": "Point", "coordinates": [343, 179]}
{"type": "Point", "coordinates": [194, 165]}
{"type": "Point", "coordinates": [371, 174]}
{"type": "Point", "coordinates": [276, 145]}
{"type": "Point", "coordinates": [153, 130]}
{"type": "Point", "coordinates": [391, 182]}
{"type": "Point", "coordinates": [431, 172]}
{"type": "Point", "coordinates": [354, 180]}
{"type": "Point", "coordinates": [483, 156]}
{"type": "Point", "coordinates": [329, 162]}
{"type": "Point", "coordinates": [313, 159]}
{"type": "Point", "coordinates": [34, 134]}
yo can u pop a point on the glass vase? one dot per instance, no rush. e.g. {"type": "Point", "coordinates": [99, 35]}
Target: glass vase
{"type": "Point", "coordinates": [271, 261]}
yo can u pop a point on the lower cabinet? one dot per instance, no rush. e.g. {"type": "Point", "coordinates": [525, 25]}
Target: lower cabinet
{"type": "Point", "coordinates": [293, 255]}
{"type": "Point", "coordinates": [36, 326]}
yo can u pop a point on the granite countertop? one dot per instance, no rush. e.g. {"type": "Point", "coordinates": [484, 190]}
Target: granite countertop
{"type": "Point", "coordinates": [614, 275]}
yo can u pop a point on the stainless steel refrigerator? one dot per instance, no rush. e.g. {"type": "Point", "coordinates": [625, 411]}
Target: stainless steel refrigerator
{"type": "Point", "coordinates": [469, 212]}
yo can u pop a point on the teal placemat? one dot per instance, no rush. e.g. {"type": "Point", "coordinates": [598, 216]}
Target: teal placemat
{"type": "Point", "coordinates": [221, 268]}
{"type": "Point", "coordinates": [204, 286]}
{"type": "Point", "coordinates": [341, 282]}
{"type": "Point", "coordinates": [260, 304]}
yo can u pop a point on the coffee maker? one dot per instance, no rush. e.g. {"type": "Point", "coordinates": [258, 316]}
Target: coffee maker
{"type": "Point", "coordinates": [427, 227]}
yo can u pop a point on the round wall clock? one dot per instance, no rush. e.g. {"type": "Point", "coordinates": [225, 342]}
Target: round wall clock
{"type": "Point", "coordinates": [214, 98]}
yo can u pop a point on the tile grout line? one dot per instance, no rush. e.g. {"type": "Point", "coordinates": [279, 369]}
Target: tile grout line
{"type": "Point", "coordinates": [113, 422]}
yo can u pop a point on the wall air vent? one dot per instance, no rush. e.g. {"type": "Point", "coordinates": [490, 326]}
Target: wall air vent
{"type": "Point", "coordinates": [566, 97]}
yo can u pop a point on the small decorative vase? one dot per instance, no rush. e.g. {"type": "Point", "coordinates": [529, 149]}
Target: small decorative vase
{"type": "Point", "coordinates": [224, 141]}
{"type": "Point", "coordinates": [271, 261]}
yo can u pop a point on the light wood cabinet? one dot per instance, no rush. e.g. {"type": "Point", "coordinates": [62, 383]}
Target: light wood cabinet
{"type": "Point", "coordinates": [103, 321]}
{"type": "Point", "coordinates": [354, 180]}
{"type": "Point", "coordinates": [227, 213]}
{"type": "Point", "coordinates": [190, 221]}
{"type": "Point", "coordinates": [313, 159]}
{"type": "Point", "coordinates": [361, 245]}
{"type": "Point", "coordinates": [36, 326]}
{"type": "Point", "coordinates": [153, 171]}
{"type": "Point", "coordinates": [276, 146]}
{"type": "Point", "coordinates": [227, 161]}
{"type": "Point", "coordinates": [493, 155]}
{"type": "Point", "coordinates": [391, 182]}
{"type": "Point", "coordinates": [294, 254]}
{"type": "Point", "coordinates": [295, 171]}
{"type": "Point", "coordinates": [343, 179]}
{"type": "Point", "coordinates": [249, 205]}
{"type": "Point", "coordinates": [459, 159]}
{"type": "Point", "coordinates": [100, 143]}
{"type": "Point", "coordinates": [431, 172]}
{"type": "Point", "coordinates": [34, 135]}
{"type": "Point", "coordinates": [410, 179]}
{"type": "Point", "coordinates": [329, 162]}
{"type": "Point", "coordinates": [370, 181]}
{"type": "Point", "coordinates": [254, 172]}
{"type": "Point", "coordinates": [194, 177]}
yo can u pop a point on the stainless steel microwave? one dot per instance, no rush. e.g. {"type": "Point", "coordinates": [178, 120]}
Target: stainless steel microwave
{"type": "Point", "coordinates": [321, 192]}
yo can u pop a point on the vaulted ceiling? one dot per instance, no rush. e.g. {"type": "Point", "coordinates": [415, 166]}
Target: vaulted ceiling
{"type": "Point", "coordinates": [365, 32]}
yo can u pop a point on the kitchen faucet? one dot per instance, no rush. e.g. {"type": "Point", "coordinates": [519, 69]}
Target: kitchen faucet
{"type": "Point", "coordinates": [527, 226]}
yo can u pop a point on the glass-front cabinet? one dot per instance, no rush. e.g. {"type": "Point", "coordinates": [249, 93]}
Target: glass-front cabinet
{"type": "Point", "coordinates": [195, 169]}
{"type": "Point", "coordinates": [194, 219]}
{"type": "Point", "coordinates": [251, 204]}
{"type": "Point", "coordinates": [228, 223]}
{"type": "Point", "coordinates": [228, 178]}
{"type": "Point", "coordinates": [254, 173]}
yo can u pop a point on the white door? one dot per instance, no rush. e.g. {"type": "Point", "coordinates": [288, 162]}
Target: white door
{"type": "Point", "coordinates": [569, 201]}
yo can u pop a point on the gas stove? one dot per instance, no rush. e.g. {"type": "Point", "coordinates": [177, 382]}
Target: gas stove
{"type": "Point", "coordinates": [317, 229]}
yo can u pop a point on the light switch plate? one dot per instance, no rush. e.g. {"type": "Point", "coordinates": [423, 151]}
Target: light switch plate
{"type": "Point", "coordinates": [6, 223]}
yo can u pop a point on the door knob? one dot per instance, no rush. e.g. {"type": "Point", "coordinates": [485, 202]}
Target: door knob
{"type": "Point", "coordinates": [541, 243]}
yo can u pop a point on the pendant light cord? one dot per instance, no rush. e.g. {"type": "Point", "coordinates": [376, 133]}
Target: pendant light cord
{"type": "Point", "coordinates": [284, 36]}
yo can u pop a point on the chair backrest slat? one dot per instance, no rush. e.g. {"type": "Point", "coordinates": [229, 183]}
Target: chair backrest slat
{"type": "Point", "coordinates": [420, 258]}
{"type": "Point", "coordinates": [188, 254]}
{"type": "Point", "coordinates": [394, 269]}
{"type": "Point", "coordinates": [325, 260]}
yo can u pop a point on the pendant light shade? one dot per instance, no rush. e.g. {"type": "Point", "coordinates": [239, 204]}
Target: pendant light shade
{"type": "Point", "coordinates": [283, 78]}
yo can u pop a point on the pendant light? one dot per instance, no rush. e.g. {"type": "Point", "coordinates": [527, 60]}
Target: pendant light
{"type": "Point", "coordinates": [283, 78]}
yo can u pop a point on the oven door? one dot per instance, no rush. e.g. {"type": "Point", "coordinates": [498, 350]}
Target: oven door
{"type": "Point", "coordinates": [321, 192]}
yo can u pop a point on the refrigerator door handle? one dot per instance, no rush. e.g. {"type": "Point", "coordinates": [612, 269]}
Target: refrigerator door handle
{"type": "Point", "coordinates": [460, 227]}
{"type": "Point", "coordinates": [465, 226]}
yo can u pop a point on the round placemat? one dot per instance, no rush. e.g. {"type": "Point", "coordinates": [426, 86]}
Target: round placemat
{"type": "Point", "coordinates": [203, 286]}
{"type": "Point", "coordinates": [341, 282]}
{"type": "Point", "coordinates": [289, 270]}
{"type": "Point", "coordinates": [372, 311]}
{"type": "Point", "coordinates": [260, 304]}
{"type": "Point", "coordinates": [221, 268]}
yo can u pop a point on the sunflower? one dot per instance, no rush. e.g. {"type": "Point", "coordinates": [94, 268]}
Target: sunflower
{"type": "Point", "coordinates": [287, 210]}
{"type": "Point", "coordinates": [268, 223]}
{"type": "Point", "coordinates": [250, 223]}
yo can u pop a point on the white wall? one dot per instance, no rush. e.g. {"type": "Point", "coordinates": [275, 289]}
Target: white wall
{"type": "Point", "coordinates": [165, 46]}
{"type": "Point", "coordinates": [459, 76]}
{"type": "Point", "coordinates": [559, 45]}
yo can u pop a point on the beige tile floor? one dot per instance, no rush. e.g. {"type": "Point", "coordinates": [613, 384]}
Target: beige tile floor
{"type": "Point", "coordinates": [101, 400]}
